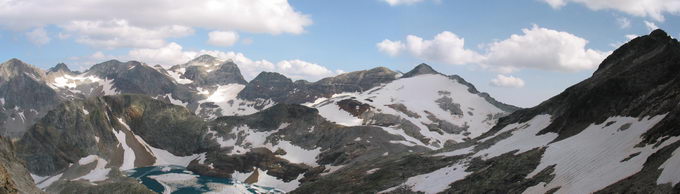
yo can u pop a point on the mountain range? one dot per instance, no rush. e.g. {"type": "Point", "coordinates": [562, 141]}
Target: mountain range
{"type": "Point", "coordinates": [370, 131]}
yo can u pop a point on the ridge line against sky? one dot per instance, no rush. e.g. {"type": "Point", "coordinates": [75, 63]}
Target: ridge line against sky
{"type": "Point", "coordinates": [521, 52]}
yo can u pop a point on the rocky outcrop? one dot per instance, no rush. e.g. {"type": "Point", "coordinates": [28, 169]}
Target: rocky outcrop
{"type": "Point", "coordinates": [77, 129]}
{"type": "Point", "coordinates": [421, 69]}
{"type": "Point", "coordinates": [61, 67]}
{"type": "Point", "coordinates": [14, 178]}
{"type": "Point", "coordinates": [227, 73]}
{"type": "Point", "coordinates": [268, 85]}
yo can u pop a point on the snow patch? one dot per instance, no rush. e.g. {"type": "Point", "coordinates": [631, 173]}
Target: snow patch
{"type": "Point", "coordinates": [44, 182]}
{"type": "Point", "coordinates": [671, 170]}
{"type": "Point", "coordinates": [436, 181]}
{"type": "Point", "coordinates": [177, 76]}
{"type": "Point", "coordinates": [128, 153]}
{"type": "Point", "coordinates": [599, 156]}
{"type": "Point", "coordinates": [99, 173]}
{"type": "Point", "coordinates": [523, 137]}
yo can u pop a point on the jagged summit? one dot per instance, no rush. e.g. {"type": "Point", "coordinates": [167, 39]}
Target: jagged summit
{"type": "Point", "coordinates": [15, 67]}
{"type": "Point", "coordinates": [656, 41]}
{"type": "Point", "coordinates": [659, 33]}
{"type": "Point", "coordinates": [204, 59]}
{"type": "Point", "coordinates": [60, 67]}
{"type": "Point", "coordinates": [420, 70]}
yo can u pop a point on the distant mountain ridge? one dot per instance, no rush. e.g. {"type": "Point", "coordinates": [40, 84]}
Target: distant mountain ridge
{"type": "Point", "coordinates": [208, 86]}
{"type": "Point", "coordinates": [204, 116]}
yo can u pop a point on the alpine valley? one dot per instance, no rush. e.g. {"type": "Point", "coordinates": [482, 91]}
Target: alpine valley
{"type": "Point", "coordinates": [200, 127]}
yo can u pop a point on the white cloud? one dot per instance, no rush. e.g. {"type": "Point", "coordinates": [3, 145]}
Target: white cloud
{"type": "Point", "coordinates": [538, 48]}
{"type": "Point", "coordinates": [173, 54]}
{"type": "Point", "coordinates": [391, 48]}
{"type": "Point", "coordinates": [631, 36]}
{"type": "Point", "coordinates": [119, 33]}
{"type": "Point", "coordinates": [642, 8]}
{"type": "Point", "coordinates": [446, 47]}
{"type": "Point", "coordinates": [651, 25]}
{"type": "Point", "coordinates": [157, 17]}
{"type": "Point", "coordinates": [623, 22]}
{"type": "Point", "coordinates": [259, 16]}
{"type": "Point", "coordinates": [542, 48]}
{"type": "Point", "coordinates": [38, 36]}
{"type": "Point", "coordinates": [507, 81]}
{"type": "Point", "coordinates": [170, 54]}
{"type": "Point", "coordinates": [401, 2]}
{"type": "Point", "coordinates": [222, 38]}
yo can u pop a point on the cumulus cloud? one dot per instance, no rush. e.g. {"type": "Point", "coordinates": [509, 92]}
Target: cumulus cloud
{"type": "Point", "coordinates": [38, 36]}
{"type": "Point", "coordinates": [119, 33]}
{"type": "Point", "coordinates": [391, 48]}
{"type": "Point", "coordinates": [445, 47]}
{"type": "Point", "coordinates": [542, 48]}
{"type": "Point", "coordinates": [222, 38]}
{"type": "Point", "coordinates": [651, 25]}
{"type": "Point", "coordinates": [642, 8]}
{"type": "Point", "coordinates": [537, 48]}
{"type": "Point", "coordinates": [174, 53]}
{"type": "Point", "coordinates": [152, 16]}
{"type": "Point", "coordinates": [401, 2]}
{"type": "Point", "coordinates": [507, 81]}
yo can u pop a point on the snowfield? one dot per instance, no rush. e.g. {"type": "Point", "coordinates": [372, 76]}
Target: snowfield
{"type": "Point", "coordinates": [421, 95]}
{"type": "Point", "coordinates": [599, 156]}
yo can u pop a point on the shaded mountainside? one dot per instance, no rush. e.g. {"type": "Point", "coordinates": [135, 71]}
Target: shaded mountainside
{"type": "Point", "coordinates": [14, 178]}
{"type": "Point", "coordinates": [615, 132]}
{"type": "Point", "coordinates": [24, 96]}
{"type": "Point", "coordinates": [77, 129]}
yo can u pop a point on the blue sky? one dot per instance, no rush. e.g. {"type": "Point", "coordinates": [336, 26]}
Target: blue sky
{"type": "Point", "coordinates": [310, 39]}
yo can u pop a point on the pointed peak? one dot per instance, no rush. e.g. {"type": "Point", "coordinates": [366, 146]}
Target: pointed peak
{"type": "Point", "coordinates": [204, 59]}
{"type": "Point", "coordinates": [15, 62]}
{"type": "Point", "coordinates": [15, 67]}
{"type": "Point", "coordinates": [420, 70]}
{"type": "Point", "coordinates": [60, 67]}
{"type": "Point", "coordinates": [265, 75]}
{"type": "Point", "coordinates": [658, 33]}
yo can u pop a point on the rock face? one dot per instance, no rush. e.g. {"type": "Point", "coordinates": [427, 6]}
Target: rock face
{"type": "Point", "coordinates": [269, 85]}
{"type": "Point", "coordinates": [14, 178]}
{"type": "Point", "coordinates": [227, 73]}
{"type": "Point", "coordinates": [292, 143]}
{"type": "Point", "coordinates": [420, 70]}
{"type": "Point", "coordinates": [24, 96]}
{"type": "Point", "coordinates": [615, 132]}
{"type": "Point", "coordinates": [118, 129]}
